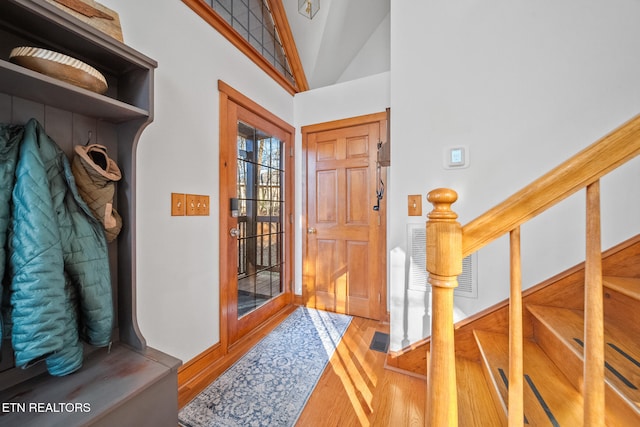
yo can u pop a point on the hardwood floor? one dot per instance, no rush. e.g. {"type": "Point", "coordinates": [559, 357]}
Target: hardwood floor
{"type": "Point", "coordinates": [355, 388]}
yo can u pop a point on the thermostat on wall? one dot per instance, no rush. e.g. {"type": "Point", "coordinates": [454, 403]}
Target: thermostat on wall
{"type": "Point", "coordinates": [456, 157]}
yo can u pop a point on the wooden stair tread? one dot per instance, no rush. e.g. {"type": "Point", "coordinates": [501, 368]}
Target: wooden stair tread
{"type": "Point", "coordinates": [547, 392]}
{"type": "Point", "coordinates": [629, 286]}
{"type": "Point", "coordinates": [622, 353]}
{"type": "Point", "coordinates": [475, 402]}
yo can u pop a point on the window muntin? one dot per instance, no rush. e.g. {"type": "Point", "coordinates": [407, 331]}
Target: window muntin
{"type": "Point", "coordinates": [253, 21]}
{"type": "Point", "coordinates": [260, 190]}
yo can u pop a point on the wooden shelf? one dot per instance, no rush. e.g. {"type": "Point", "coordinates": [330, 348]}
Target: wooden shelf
{"type": "Point", "coordinates": [24, 83]}
{"type": "Point", "coordinates": [44, 24]}
{"type": "Point", "coordinates": [38, 23]}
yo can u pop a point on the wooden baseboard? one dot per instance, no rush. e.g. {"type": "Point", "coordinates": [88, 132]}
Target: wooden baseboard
{"type": "Point", "coordinates": [386, 319]}
{"type": "Point", "coordinates": [189, 383]}
{"type": "Point", "coordinates": [190, 369]}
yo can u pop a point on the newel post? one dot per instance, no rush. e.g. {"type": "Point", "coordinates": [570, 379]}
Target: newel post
{"type": "Point", "coordinates": [444, 264]}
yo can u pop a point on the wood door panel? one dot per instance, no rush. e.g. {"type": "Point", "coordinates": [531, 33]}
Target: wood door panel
{"type": "Point", "coordinates": [357, 147]}
{"type": "Point", "coordinates": [325, 265]}
{"type": "Point", "coordinates": [327, 273]}
{"type": "Point", "coordinates": [327, 186]}
{"type": "Point", "coordinates": [358, 266]}
{"type": "Point", "coordinates": [357, 196]}
{"type": "Point", "coordinates": [326, 150]}
{"type": "Point", "coordinates": [345, 240]}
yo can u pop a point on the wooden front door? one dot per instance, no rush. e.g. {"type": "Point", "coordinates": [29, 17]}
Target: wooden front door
{"type": "Point", "coordinates": [256, 215]}
{"type": "Point", "coordinates": [345, 253]}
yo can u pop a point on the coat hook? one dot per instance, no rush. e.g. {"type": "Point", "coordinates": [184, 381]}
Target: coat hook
{"type": "Point", "coordinates": [89, 139]}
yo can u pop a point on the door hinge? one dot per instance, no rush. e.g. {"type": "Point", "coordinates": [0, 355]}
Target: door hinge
{"type": "Point", "coordinates": [290, 151]}
{"type": "Point", "coordinates": [379, 297]}
{"type": "Point", "coordinates": [290, 218]}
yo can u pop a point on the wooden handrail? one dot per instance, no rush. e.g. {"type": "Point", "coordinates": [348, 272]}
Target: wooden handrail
{"type": "Point", "coordinates": [448, 243]}
{"type": "Point", "coordinates": [584, 168]}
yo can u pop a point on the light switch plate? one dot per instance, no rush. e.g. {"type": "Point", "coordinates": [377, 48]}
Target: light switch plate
{"type": "Point", "coordinates": [177, 204]}
{"type": "Point", "coordinates": [415, 205]}
{"type": "Point", "coordinates": [202, 205]}
{"type": "Point", "coordinates": [197, 205]}
{"type": "Point", "coordinates": [192, 203]}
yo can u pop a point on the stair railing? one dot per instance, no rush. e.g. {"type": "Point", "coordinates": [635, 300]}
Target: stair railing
{"type": "Point", "coordinates": [448, 243]}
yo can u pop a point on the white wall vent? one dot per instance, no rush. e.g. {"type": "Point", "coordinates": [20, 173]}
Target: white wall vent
{"type": "Point", "coordinates": [417, 265]}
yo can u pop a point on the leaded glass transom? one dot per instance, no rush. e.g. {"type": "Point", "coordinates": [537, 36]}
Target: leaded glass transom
{"type": "Point", "coordinates": [253, 21]}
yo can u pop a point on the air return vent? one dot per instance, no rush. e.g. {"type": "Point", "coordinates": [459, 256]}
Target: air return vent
{"type": "Point", "coordinates": [417, 267]}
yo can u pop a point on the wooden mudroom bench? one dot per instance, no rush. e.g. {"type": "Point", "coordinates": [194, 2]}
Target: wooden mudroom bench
{"type": "Point", "coordinates": [128, 384]}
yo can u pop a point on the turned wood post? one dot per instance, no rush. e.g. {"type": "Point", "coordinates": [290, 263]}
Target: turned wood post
{"type": "Point", "coordinates": [444, 264]}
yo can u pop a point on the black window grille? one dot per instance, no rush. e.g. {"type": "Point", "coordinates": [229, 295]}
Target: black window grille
{"type": "Point", "coordinates": [260, 185]}
{"type": "Point", "coordinates": [253, 21]}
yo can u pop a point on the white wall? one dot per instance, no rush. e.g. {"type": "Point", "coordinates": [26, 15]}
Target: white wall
{"type": "Point", "coordinates": [344, 100]}
{"type": "Point", "coordinates": [524, 85]}
{"type": "Point", "coordinates": [177, 257]}
{"type": "Point", "coordinates": [537, 81]}
{"type": "Point", "coordinates": [373, 57]}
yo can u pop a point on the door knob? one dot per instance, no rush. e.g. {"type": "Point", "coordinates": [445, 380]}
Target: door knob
{"type": "Point", "coordinates": [234, 232]}
{"type": "Point", "coordinates": [311, 230]}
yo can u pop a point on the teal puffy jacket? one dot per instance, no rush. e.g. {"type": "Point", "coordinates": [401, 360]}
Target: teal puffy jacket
{"type": "Point", "coordinates": [58, 260]}
{"type": "Point", "coordinates": [10, 137]}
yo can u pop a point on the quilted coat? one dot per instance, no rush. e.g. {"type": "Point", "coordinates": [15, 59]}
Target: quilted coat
{"type": "Point", "coordinates": [10, 137]}
{"type": "Point", "coordinates": [58, 260]}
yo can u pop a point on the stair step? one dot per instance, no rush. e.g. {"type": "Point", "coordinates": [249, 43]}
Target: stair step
{"type": "Point", "coordinates": [621, 297]}
{"type": "Point", "coordinates": [560, 332]}
{"type": "Point", "coordinates": [549, 397]}
{"type": "Point", "coordinates": [629, 286]}
{"type": "Point", "coordinates": [476, 406]}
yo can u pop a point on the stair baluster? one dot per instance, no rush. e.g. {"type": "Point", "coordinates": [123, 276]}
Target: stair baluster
{"type": "Point", "coordinates": [516, 369]}
{"type": "Point", "coordinates": [593, 388]}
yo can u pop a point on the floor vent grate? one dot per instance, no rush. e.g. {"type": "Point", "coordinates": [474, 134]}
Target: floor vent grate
{"type": "Point", "coordinates": [380, 342]}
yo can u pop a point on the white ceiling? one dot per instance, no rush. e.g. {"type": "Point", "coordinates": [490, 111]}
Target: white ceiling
{"type": "Point", "coordinates": [346, 39]}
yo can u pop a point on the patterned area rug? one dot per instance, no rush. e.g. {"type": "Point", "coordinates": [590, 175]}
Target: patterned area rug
{"type": "Point", "coordinates": [270, 385]}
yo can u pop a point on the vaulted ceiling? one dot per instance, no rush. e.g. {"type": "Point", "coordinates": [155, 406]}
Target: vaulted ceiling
{"type": "Point", "coordinates": [346, 39]}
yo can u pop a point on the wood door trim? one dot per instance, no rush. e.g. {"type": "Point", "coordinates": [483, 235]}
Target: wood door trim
{"type": "Point", "coordinates": [253, 106]}
{"type": "Point", "coordinates": [223, 256]}
{"type": "Point", "coordinates": [343, 123]}
{"type": "Point", "coordinates": [381, 117]}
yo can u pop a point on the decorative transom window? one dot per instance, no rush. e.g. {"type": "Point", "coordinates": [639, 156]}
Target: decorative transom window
{"type": "Point", "coordinates": [253, 20]}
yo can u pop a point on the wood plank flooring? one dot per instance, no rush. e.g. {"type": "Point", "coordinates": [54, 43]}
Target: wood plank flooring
{"type": "Point", "coordinates": [356, 390]}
